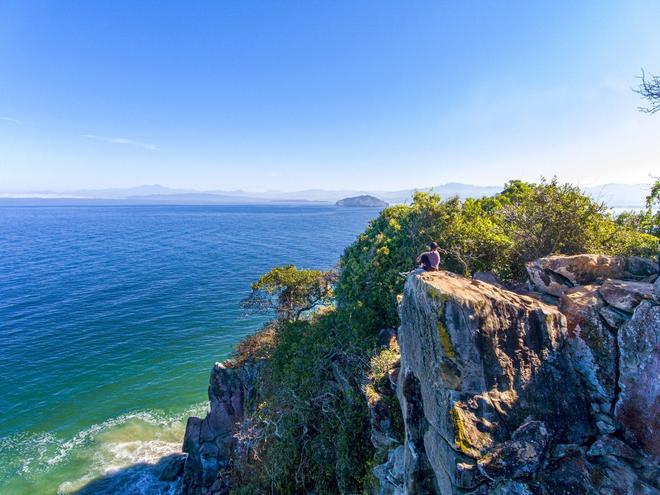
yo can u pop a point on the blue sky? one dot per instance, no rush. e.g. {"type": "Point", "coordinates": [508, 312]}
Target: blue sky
{"type": "Point", "coordinates": [305, 94]}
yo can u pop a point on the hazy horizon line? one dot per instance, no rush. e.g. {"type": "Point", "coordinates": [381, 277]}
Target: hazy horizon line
{"type": "Point", "coordinates": [219, 190]}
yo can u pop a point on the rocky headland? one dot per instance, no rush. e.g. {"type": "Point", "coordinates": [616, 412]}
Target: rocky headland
{"type": "Point", "coordinates": [545, 388]}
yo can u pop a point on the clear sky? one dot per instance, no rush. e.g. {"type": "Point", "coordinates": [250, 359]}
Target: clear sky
{"type": "Point", "coordinates": [324, 94]}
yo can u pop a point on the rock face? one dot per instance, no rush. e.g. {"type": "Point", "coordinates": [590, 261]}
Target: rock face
{"type": "Point", "coordinates": [210, 442]}
{"type": "Point", "coordinates": [503, 393]}
{"type": "Point", "coordinates": [638, 405]}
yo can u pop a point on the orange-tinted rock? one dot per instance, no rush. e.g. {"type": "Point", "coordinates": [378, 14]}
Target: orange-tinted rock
{"type": "Point", "coordinates": [555, 274]}
{"type": "Point", "coordinates": [625, 295]}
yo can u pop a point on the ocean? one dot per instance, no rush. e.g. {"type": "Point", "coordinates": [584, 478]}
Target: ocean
{"type": "Point", "coordinates": [111, 318]}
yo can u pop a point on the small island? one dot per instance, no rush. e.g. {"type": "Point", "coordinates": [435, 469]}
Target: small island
{"type": "Point", "coordinates": [364, 201]}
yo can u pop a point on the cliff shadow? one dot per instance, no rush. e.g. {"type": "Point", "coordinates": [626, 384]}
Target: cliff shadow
{"type": "Point", "coordinates": [143, 478]}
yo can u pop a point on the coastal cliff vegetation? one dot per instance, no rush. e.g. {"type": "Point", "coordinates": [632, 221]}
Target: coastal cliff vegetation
{"type": "Point", "coordinates": [325, 362]}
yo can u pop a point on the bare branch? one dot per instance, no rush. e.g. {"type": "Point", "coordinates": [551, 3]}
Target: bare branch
{"type": "Point", "coordinates": [649, 89]}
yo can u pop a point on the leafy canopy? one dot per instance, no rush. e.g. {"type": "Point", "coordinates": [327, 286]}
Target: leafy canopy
{"type": "Point", "coordinates": [291, 292]}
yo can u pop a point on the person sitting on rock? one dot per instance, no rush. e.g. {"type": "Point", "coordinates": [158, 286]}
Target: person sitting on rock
{"type": "Point", "coordinates": [429, 261]}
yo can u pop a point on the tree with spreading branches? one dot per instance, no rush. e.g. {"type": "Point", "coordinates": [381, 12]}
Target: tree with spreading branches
{"type": "Point", "coordinates": [291, 292]}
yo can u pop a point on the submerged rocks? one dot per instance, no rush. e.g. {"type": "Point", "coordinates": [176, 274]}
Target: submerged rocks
{"type": "Point", "coordinates": [502, 393]}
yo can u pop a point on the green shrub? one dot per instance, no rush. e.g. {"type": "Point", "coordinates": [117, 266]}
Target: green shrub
{"type": "Point", "coordinates": [499, 234]}
{"type": "Point", "coordinates": [317, 433]}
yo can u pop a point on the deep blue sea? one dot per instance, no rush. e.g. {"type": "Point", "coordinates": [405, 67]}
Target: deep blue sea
{"type": "Point", "coordinates": [112, 317]}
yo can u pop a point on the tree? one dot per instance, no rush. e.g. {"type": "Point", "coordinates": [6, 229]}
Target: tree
{"type": "Point", "coordinates": [649, 89]}
{"type": "Point", "coordinates": [548, 218]}
{"type": "Point", "coordinates": [647, 220]}
{"type": "Point", "coordinates": [291, 292]}
{"type": "Point", "coordinates": [653, 203]}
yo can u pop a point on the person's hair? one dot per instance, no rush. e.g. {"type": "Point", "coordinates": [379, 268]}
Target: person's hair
{"type": "Point", "coordinates": [434, 245]}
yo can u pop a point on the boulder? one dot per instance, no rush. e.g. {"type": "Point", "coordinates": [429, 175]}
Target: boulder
{"type": "Point", "coordinates": [640, 267]}
{"type": "Point", "coordinates": [611, 446]}
{"type": "Point", "coordinates": [625, 295]}
{"type": "Point", "coordinates": [554, 274]}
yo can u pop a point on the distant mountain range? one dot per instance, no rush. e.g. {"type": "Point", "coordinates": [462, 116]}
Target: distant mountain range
{"type": "Point", "coordinates": [614, 195]}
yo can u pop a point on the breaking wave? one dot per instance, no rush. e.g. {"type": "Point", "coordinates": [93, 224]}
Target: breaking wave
{"type": "Point", "coordinates": [120, 455]}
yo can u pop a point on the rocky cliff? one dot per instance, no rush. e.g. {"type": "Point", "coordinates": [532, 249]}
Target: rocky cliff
{"type": "Point", "coordinates": [549, 389]}
{"type": "Point", "coordinates": [504, 393]}
{"type": "Point", "coordinates": [211, 442]}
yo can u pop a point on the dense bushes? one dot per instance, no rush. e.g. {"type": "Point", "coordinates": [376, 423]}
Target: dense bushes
{"type": "Point", "coordinates": [311, 427]}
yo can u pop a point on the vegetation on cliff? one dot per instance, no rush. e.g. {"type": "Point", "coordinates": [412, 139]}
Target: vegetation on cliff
{"type": "Point", "coordinates": [310, 430]}
{"type": "Point", "coordinates": [498, 234]}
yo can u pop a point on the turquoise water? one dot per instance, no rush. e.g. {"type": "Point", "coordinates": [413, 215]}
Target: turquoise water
{"type": "Point", "coordinates": [112, 317]}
